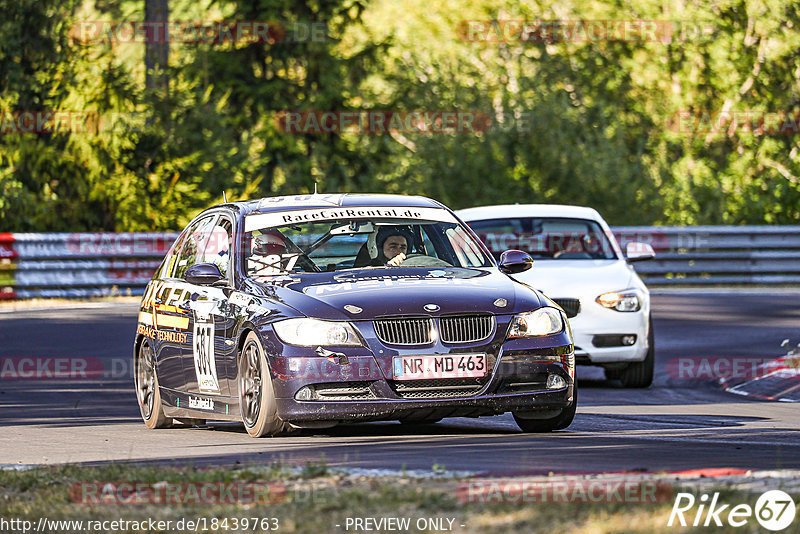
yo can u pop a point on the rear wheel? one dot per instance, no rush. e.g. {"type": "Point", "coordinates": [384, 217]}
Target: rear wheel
{"type": "Point", "coordinates": [640, 374]}
{"type": "Point", "coordinates": [527, 423]}
{"type": "Point", "coordinates": [147, 391]}
{"type": "Point", "coordinates": [256, 396]}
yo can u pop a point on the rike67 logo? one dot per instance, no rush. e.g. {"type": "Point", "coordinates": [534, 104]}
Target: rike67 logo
{"type": "Point", "coordinates": [774, 510]}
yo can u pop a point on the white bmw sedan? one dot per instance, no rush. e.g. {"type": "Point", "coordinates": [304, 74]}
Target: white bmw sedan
{"type": "Point", "coordinates": [579, 265]}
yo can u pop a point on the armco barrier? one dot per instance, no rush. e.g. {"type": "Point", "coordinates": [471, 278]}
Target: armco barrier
{"type": "Point", "coordinates": [79, 264]}
{"type": "Point", "coordinates": [87, 264]}
{"type": "Point", "coordinates": [703, 255]}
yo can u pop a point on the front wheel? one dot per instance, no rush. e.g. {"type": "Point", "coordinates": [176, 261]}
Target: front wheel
{"type": "Point", "coordinates": [256, 396]}
{"type": "Point", "coordinates": [147, 391]}
{"type": "Point", "coordinates": [558, 422]}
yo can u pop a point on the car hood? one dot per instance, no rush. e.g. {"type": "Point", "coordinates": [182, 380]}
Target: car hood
{"type": "Point", "coordinates": [368, 293]}
{"type": "Point", "coordinates": [577, 278]}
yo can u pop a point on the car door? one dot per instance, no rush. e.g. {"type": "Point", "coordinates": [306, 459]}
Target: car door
{"type": "Point", "coordinates": [168, 328]}
{"type": "Point", "coordinates": [209, 348]}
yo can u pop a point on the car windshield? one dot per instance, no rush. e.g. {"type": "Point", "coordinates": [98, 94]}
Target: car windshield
{"type": "Point", "coordinates": [547, 238]}
{"type": "Point", "coordinates": [357, 243]}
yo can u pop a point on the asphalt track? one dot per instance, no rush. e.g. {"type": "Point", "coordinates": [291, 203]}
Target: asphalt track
{"type": "Point", "coordinates": [677, 424]}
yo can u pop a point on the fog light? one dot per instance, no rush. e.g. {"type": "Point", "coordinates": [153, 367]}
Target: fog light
{"type": "Point", "coordinates": [555, 382]}
{"type": "Point", "coordinates": [628, 340]}
{"type": "Point", "coordinates": [304, 394]}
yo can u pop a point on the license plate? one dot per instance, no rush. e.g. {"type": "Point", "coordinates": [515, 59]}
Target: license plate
{"type": "Point", "coordinates": [439, 366]}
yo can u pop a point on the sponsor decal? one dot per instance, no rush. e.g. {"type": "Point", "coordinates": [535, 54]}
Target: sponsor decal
{"type": "Point", "coordinates": [158, 314]}
{"type": "Point", "coordinates": [269, 220]}
{"type": "Point", "coordinates": [160, 335]}
{"type": "Point", "coordinates": [301, 200]}
{"type": "Point", "coordinates": [459, 273]}
{"type": "Point", "coordinates": [205, 365]}
{"type": "Point", "coordinates": [272, 264]}
{"type": "Point", "coordinates": [200, 403]}
{"type": "Point", "coordinates": [239, 299]}
{"type": "Point", "coordinates": [170, 321]}
{"type": "Point", "coordinates": [362, 285]}
{"type": "Point", "coordinates": [146, 318]}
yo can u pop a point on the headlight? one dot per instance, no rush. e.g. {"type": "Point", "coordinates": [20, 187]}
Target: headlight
{"type": "Point", "coordinates": [624, 301]}
{"type": "Point", "coordinates": [315, 332]}
{"type": "Point", "coordinates": [541, 322]}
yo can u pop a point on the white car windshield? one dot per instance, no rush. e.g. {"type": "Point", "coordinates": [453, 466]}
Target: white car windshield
{"type": "Point", "coordinates": [357, 243]}
{"type": "Point", "coordinates": [547, 238]}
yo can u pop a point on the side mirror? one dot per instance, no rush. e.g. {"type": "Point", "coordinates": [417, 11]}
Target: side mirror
{"type": "Point", "coordinates": [638, 252]}
{"type": "Point", "coordinates": [203, 274]}
{"type": "Point", "coordinates": [515, 261]}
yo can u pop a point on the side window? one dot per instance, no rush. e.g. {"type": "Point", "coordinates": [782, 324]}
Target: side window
{"type": "Point", "coordinates": [218, 247]}
{"type": "Point", "coordinates": [168, 265]}
{"type": "Point", "coordinates": [193, 245]}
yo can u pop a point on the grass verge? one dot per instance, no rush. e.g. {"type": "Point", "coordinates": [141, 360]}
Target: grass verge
{"type": "Point", "coordinates": [314, 499]}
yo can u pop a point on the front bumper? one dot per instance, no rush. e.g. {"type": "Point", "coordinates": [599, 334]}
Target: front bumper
{"type": "Point", "coordinates": [385, 409]}
{"type": "Point", "coordinates": [595, 320]}
{"type": "Point", "coordinates": [364, 388]}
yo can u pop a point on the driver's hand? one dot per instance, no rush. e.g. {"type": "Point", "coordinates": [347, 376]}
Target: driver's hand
{"type": "Point", "coordinates": [397, 260]}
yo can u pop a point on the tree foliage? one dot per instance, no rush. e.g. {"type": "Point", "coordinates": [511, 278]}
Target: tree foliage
{"type": "Point", "coordinates": [576, 121]}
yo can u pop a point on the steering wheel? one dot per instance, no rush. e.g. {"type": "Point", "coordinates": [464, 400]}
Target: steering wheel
{"type": "Point", "coordinates": [423, 260]}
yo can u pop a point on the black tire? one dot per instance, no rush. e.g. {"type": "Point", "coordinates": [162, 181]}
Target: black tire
{"type": "Point", "coordinates": [640, 374]}
{"type": "Point", "coordinates": [257, 404]}
{"type": "Point", "coordinates": [613, 374]}
{"type": "Point", "coordinates": [559, 422]}
{"type": "Point", "coordinates": [148, 393]}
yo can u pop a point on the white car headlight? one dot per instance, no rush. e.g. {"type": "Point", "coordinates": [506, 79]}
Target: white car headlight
{"type": "Point", "coordinates": [625, 301]}
{"type": "Point", "coordinates": [315, 332]}
{"type": "Point", "coordinates": [541, 322]}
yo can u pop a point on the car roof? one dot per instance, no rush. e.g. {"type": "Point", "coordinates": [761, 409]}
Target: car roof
{"type": "Point", "coordinates": [322, 200]}
{"type": "Point", "coordinates": [528, 210]}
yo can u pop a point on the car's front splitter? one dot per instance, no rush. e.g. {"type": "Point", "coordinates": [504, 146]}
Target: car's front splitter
{"type": "Point", "coordinates": [382, 409]}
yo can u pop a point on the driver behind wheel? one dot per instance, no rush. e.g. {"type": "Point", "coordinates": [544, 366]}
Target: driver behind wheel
{"type": "Point", "coordinates": [393, 248]}
{"type": "Point", "coordinates": [266, 253]}
{"type": "Point", "coordinates": [393, 245]}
